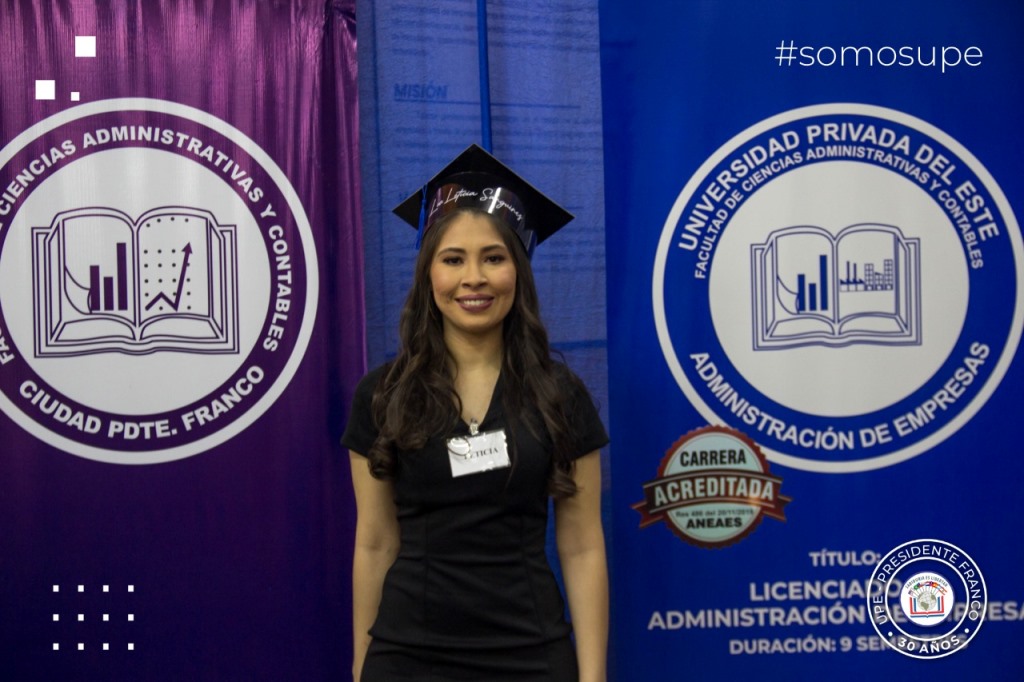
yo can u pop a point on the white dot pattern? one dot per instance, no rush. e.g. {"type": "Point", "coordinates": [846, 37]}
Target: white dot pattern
{"type": "Point", "coordinates": [79, 614]}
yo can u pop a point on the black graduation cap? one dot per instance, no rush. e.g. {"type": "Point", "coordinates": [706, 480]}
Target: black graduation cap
{"type": "Point", "coordinates": [477, 179]}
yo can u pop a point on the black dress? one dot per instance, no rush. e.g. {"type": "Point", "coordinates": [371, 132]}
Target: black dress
{"type": "Point", "coordinates": [471, 595]}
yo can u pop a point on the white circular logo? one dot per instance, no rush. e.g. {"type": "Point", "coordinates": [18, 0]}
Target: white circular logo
{"type": "Point", "coordinates": [843, 283]}
{"type": "Point", "coordinates": [916, 609]}
{"type": "Point", "coordinates": [158, 281]}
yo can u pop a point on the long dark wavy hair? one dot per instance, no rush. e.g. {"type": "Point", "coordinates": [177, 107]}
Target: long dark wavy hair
{"type": "Point", "coordinates": [416, 399]}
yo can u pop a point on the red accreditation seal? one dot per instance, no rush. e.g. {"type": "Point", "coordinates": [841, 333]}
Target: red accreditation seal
{"type": "Point", "coordinates": [712, 489]}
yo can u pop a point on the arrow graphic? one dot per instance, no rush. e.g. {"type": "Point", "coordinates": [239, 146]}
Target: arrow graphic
{"type": "Point", "coordinates": [181, 283]}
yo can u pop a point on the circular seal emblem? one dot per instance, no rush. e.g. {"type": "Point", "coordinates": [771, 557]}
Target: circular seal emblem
{"type": "Point", "coordinates": [158, 281]}
{"type": "Point", "coordinates": [927, 599]}
{"type": "Point", "coordinates": [916, 609]}
{"type": "Point", "coordinates": [856, 274]}
{"type": "Point", "coordinates": [712, 489]}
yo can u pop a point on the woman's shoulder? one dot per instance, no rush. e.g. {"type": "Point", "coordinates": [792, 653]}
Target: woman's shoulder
{"type": "Point", "coordinates": [370, 380]}
{"type": "Point", "coordinates": [568, 386]}
{"type": "Point", "coordinates": [564, 375]}
{"type": "Point", "coordinates": [377, 372]}
{"type": "Point", "coordinates": [581, 410]}
{"type": "Point", "coordinates": [361, 432]}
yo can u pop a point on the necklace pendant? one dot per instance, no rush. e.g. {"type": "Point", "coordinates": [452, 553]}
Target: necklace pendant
{"type": "Point", "coordinates": [474, 428]}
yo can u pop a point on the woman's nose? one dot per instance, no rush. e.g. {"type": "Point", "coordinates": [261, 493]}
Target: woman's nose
{"type": "Point", "coordinates": [474, 275]}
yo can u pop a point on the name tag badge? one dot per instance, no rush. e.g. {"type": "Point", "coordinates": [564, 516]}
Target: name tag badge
{"type": "Point", "coordinates": [478, 453]}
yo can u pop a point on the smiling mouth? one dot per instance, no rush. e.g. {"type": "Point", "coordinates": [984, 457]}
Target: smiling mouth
{"type": "Point", "coordinates": [474, 303]}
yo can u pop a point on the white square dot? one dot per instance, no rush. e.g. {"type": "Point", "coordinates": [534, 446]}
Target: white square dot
{"type": "Point", "coordinates": [131, 588]}
{"type": "Point", "coordinates": [106, 588]}
{"type": "Point", "coordinates": [56, 617]}
{"type": "Point", "coordinates": [131, 616]}
{"type": "Point", "coordinates": [56, 588]}
{"type": "Point", "coordinates": [81, 617]}
{"type": "Point", "coordinates": [75, 97]}
{"type": "Point", "coordinates": [46, 90]}
{"type": "Point", "coordinates": [106, 616]}
{"type": "Point", "coordinates": [56, 646]}
{"type": "Point", "coordinates": [131, 647]}
{"type": "Point", "coordinates": [106, 646]}
{"type": "Point", "coordinates": [81, 646]}
{"type": "Point", "coordinates": [81, 588]}
{"type": "Point", "coordinates": [85, 46]}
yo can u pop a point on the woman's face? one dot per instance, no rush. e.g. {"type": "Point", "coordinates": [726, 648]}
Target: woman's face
{"type": "Point", "coordinates": [472, 276]}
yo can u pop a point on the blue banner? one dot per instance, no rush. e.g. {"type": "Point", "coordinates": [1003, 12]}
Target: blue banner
{"type": "Point", "coordinates": [815, 277]}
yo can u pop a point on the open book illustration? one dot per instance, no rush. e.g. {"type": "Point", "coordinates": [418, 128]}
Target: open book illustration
{"type": "Point", "coordinates": [104, 282]}
{"type": "Point", "coordinates": [814, 288]}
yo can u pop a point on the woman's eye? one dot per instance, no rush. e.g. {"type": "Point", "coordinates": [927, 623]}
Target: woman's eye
{"type": "Point", "coordinates": [496, 259]}
{"type": "Point", "coordinates": [451, 260]}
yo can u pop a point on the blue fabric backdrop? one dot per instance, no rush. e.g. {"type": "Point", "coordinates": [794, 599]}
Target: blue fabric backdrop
{"type": "Point", "coordinates": [734, 130]}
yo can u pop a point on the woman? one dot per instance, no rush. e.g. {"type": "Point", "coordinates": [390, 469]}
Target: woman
{"type": "Point", "coordinates": [455, 448]}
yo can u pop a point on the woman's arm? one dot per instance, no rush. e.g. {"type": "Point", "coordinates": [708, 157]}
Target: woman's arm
{"type": "Point", "coordinates": [580, 541]}
{"type": "Point", "coordinates": [376, 547]}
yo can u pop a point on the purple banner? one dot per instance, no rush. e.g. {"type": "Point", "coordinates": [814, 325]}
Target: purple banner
{"type": "Point", "coordinates": [181, 322]}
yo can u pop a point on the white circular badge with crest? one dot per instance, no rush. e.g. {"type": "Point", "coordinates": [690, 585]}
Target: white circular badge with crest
{"type": "Point", "coordinates": [158, 281]}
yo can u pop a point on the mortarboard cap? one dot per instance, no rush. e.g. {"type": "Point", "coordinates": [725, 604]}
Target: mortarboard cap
{"type": "Point", "coordinates": [478, 180]}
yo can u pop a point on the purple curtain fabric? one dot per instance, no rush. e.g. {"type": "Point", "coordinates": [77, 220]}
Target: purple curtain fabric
{"type": "Point", "coordinates": [186, 515]}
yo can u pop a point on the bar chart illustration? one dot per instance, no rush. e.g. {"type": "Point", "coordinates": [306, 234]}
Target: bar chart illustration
{"type": "Point", "coordinates": [814, 288]}
{"type": "Point", "coordinates": [120, 281]}
{"type": "Point", "coordinates": [104, 282]}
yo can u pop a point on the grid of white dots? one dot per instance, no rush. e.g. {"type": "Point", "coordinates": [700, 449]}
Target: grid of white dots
{"type": "Point", "coordinates": [81, 617]}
